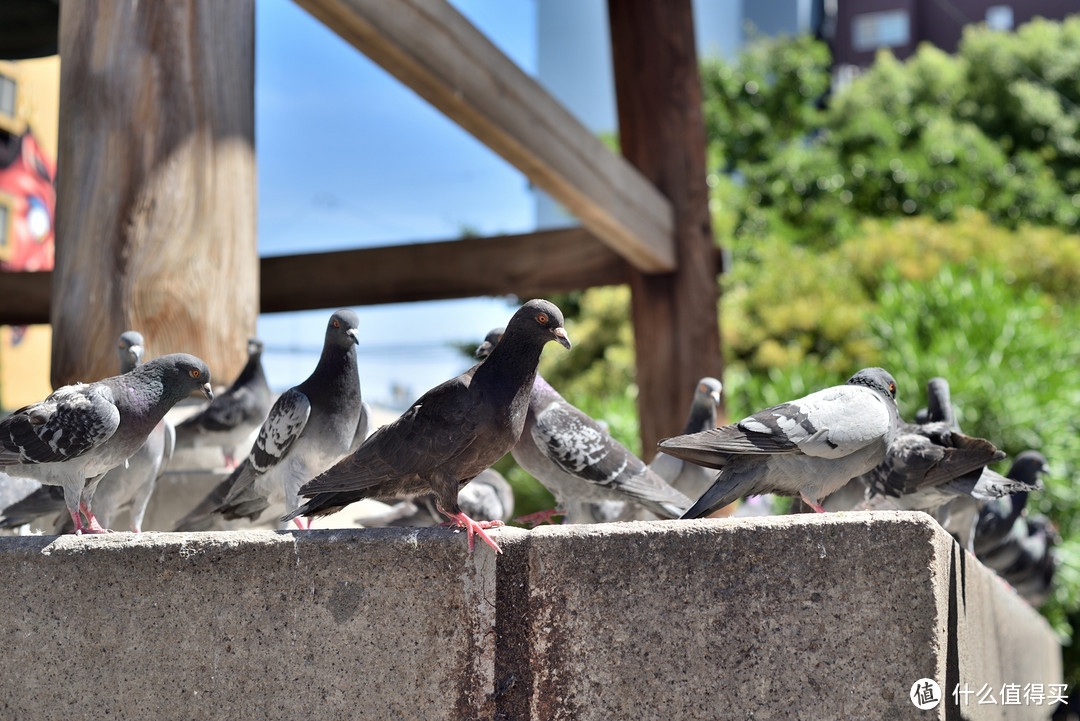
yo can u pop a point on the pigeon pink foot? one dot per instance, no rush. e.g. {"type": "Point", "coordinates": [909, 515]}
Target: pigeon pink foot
{"type": "Point", "coordinates": [92, 525]}
{"type": "Point", "coordinates": [473, 527]}
{"type": "Point", "coordinates": [540, 517]}
{"type": "Point", "coordinates": [816, 506]}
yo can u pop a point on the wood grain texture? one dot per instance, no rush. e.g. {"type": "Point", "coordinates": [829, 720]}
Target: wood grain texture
{"type": "Point", "coordinates": [676, 327]}
{"type": "Point", "coordinates": [156, 187]}
{"type": "Point", "coordinates": [433, 49]}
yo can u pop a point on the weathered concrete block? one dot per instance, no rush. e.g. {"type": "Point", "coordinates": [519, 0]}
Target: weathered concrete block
{"type": "Point", "coordinates": [797, 617]}
{"type": "Point", "coordinates": [245, 625]}
{"type": "Point", "coordinates": [811, 617]}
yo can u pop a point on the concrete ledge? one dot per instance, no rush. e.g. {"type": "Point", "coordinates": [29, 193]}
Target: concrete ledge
{"type": "Point", "coordinates": [791, 617]}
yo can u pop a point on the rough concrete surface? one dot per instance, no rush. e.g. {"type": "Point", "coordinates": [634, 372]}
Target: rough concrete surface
{"type": "Point", "coordinates": [809, 617]}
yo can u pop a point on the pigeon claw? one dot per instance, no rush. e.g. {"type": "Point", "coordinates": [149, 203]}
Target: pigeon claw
{"type": "Point", "coordinates": [475, 527]}
{"type": "Point", "coordinates": [92, 525]}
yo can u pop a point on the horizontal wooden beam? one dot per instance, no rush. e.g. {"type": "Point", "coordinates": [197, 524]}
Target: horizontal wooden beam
{"type": "Point", "coordinates": [529, 265]}
{"type": "Point", "coordinates": [25, 297]}
{"type": "Point", "coordinates": [430, 47]}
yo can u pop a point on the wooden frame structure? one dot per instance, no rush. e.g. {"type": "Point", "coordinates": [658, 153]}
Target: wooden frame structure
{"type": "Point", "coordinates": [645, 218]}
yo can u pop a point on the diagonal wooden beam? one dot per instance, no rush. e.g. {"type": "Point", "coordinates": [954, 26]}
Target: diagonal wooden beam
{"type": "Point", "coordinates": [430, 47]}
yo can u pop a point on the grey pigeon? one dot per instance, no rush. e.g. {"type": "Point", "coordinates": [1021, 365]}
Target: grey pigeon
{"type": "Point", "coordinates": [687, 477]}
{"type": "Point", "coordinates": [997, 517]}
{"type": "Point", "coordinates": [451, 433]}
{"type": "Point", "coordinates": [929, 464]}
{"type": "Point", "coordinates": [73, 437]}
{"type": "Point", "coordinates": [235, 414]}
{"type": "Point", "coordinates": [128, 485]}
{"type": "Point", "coordinates": [1032, 571]}
{"type": "Point", "coordinates": [807, 447]}
{"type": "Point", "coordinates": [309, 428]}
{"type": "Point", "coordinates": [578, 461]}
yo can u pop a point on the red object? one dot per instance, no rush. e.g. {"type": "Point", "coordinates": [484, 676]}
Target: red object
{"type": "Point", "coordinates": [27, 204]}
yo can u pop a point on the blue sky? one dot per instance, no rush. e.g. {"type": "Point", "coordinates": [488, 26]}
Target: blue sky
{"type": "Point", "coordinates": [350, 158]}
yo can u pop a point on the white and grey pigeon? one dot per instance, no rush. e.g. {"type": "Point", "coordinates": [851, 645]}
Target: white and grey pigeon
{"type": "Point", "coordinates": [310, 427]}
{"type": "Point", "coordinates": [234, 414]}
{"type": "Point", "coordinates": [451, 433]}
{"type": "Point", "coordinates": [807, 447]}
{"type": "Point", "coordinates": [578, 461]}
{"type": "Point", "coordinates": [690, 478]}
{"type": "Point", "coordinates": [77, 434]}
{"type": "Point", "coordinates": [128, 485]}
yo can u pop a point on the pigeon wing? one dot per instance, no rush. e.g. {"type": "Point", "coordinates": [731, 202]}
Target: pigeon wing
{"type": "Point", "coordinates": [67, 424]}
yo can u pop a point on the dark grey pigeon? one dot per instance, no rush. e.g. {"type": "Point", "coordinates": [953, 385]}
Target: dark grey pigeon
{"type": "Point", "coordinates": [73, 437]}
{"type": "Point", "coordinates": [997, 517]}
{"type": "Point", "coordinates": [690, 478]}
{"type": "Point", "coordinates": [939, 407]}
{"type": "Point", "coordinates": [310, 428]}
{"type": "Point", "coordinates": [128, 485]}
{"type": "Point", "coordinates": [451, 434]}
{"type": "Point", "coordinates": [807, 447]}
{"type": "Point", "coordinates": [576, 459]}
{"type": "Point", "coordinates": [236, 412]}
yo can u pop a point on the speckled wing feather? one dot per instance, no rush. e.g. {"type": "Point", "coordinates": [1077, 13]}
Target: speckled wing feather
{"type": "Point", "coordinates": [282, 427]}
{"type": "Point", "coordinates": [575, 443]}
{"type": "Point", "coordinates": [67, 424]}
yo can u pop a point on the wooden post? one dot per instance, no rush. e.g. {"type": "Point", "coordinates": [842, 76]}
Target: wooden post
{"type": "Point", "coordinates": [676, 330]}
{"type": "Point", "coordinates": [156, 183]}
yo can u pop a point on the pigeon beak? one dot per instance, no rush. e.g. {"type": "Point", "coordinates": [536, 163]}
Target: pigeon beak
{"type": "Point", "coordinates": [354, 334]}
{"type": "Point", "coordinates": [560, 335]}
{"type": "Point", "coordinates": [483, 350]}
{"type": "Point", "coordinates": [207, 391]}
{"type": "Point", "coordinates": [136, 350]}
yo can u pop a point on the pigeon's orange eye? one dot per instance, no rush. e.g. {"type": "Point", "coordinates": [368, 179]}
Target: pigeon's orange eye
{"type": "Point", "coordinates": [337, 324]}
{"type": "Point", "coordinates": [542, 318]}
{"type": "Point", "coordinates": [892, 388]}
{"type": "Point", "coordinates": [195, 373]}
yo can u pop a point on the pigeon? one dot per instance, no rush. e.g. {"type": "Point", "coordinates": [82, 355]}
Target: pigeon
{"type": "Point", "coordinates": [927, 465]}
{"type": "Point", "coordinates": [309, 428]}
{"type": "Point", "coordinates": [578, 461]}
{"type": "Point", "coordinates": [997, 517]}
{"type": "Point", "coordinates": [129, 484]}
{"type": "Point", "coordinates": [235, 414]}
{"type": "Point", "coordinates": [808, 447]}
{"type": "Point", "coordinates": [80, 431]}
{"type": "Point", "coordinates": [689, 478]}
{"type": "Point", "coordinates": [1032, 571]}
{"type": "Point", "coordinates": [451, 433]}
